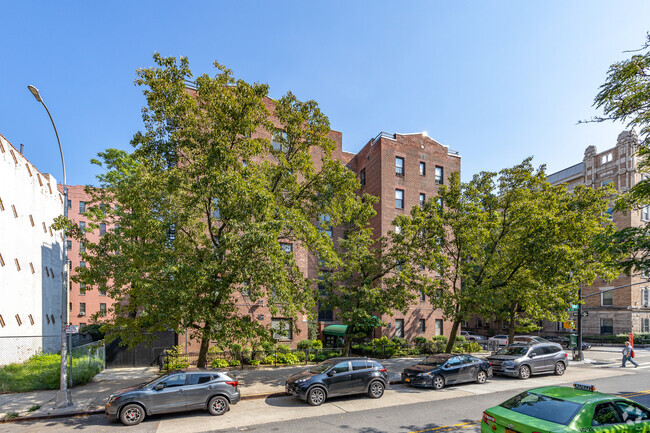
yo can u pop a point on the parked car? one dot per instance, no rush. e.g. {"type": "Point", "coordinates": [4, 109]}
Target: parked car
{"type": "Point", "coordinates": [472, 337]}
{"type": "Point", "coordinates": [501, 339]}
{"type": "Point", "coordinates": [445, 369]}
{"type": "Point", "coordinates": [562, 341]}
{"type": "Point", "coordinates": [174, 392]}
{"type": "Point", "coordinates": [522, 360]}
{"type": "Point", "coordinates": [585, 346]}
{"type": "Point", "coordinates": [529, 339]}
{"type": "Point", "coordinates": [562, 409]}
{"type": "Point", "coordinates": [338, 376]}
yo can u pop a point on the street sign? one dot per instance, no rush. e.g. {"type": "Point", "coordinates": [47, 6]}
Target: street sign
{"type": "Point", "coordinates": [71, 329]}
{"type": "Point", "coordinates": [574, 307]}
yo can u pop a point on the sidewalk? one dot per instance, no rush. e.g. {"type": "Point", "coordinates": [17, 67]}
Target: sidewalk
{"type": "Point", "coordinates": [254, 383]}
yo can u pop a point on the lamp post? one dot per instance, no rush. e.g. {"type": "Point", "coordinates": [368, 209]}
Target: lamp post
{"type": "Point", "coordinates": [63, 396]}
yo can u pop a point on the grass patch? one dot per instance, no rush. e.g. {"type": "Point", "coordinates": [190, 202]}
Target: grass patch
{"type": "Point", "coordinates": [43, 372]}
{"type": "Point", "coordinates": [11, 415]}
{"type": "Point", "coordinates": [33, 408]}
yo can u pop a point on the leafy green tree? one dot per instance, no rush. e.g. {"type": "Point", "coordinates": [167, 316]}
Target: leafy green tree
{"type": "Point", "coordinates": [625, 97]}
{"type": "Point", "coordinates": [204, 201]}
{"type": "Point", "coordinates": [507, 245]}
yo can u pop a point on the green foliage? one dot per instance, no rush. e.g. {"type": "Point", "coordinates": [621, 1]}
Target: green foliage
{"type": "Point", "coordinates": [254, 362]}
{"type": "Point", "coordinates": [305, 344]}
{"type": "Point", "coordinates": [317, 344]}
{"type": "Point", "coordinates": [282, 348]}
{"type": "Point", "coordinates": [419, 340]}
{"type": "Point", "coordinates": [11, 415]}
{"type": "Point", "coordinates": [94, 330]}
{"type": "Point", "coordinates": [400, 341]}
{"type": "Point", "coordinates": [219, 363]}
{"type": "Point", "coordinates": [382, 341]}
{"type": "Point", "coordinates": [234, 363]}
{"type": "Point", "coordinates": [442, 338]}
{"type": "Point", "coordinates": [460, 338]}
{"type": "Point", "coordinates": [203, 201]}
{"type": "Point", "coordinates": [300, 355]}
{"type": "Point", "coordinates": [176, 360]}
{"type": "Point", "coordinates": [33, 408]}
{"type": "Point", "coordinates": [43, 372]}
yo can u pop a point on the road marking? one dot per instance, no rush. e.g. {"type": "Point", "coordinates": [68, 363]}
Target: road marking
{"type": "Point", "coordinates": [634, 394]}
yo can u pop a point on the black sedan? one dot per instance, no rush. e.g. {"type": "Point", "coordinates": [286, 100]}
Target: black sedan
{"type": "Point", "coordinates": [445, 369]}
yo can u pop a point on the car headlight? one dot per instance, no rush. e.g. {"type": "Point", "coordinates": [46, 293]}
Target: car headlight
{"type": "Point", "coordinates": [509, 364]}
{"type": "Point", "coordinates": [304, 379]}
{"type": "Point", "coordinates": [113, 399]}
{"type": "Point", "coordinates": [424, 374]}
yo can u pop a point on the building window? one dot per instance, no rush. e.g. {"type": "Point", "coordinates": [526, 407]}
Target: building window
{"type": "Point", "coordinates": [610, 213]}
{"type": "Point", "coordinates": [399, 198]}
{"type": "Point", "coordinates": [398, 230]}
{"type": "Point", "coordinates": [286, 247]}
{"type": "Point", "coordinates": [645, 297]}
{"type": "Point", "coordinates": [68, 245]}
{"type": "Point", "coordinates": [102, 292]}
{"type": "Point", "coordinates": [645, 325]}
{"type": "Point", "coordinates": [69, 204]}
{"type": "Point", "coordinates": [645, 213]}
{"type": "Point", "coordinates": [215, 212]}
{"type": "Point", "coordinates": [606, 182]}
{"type": "Point", "coordinates": [607, 299]}
{"type": "Point", "coordinates": [82, 225]}
{"type": "Point", "coordinates": [362, 178]}
{"type": "Point", "coordinates": [102, 229]}
{"type": "Point", "coordinates": [606, 326]}
{"type": "Point", "coordinates": [82, 206]}
{"type": "Point", "coordinates": [423, 297]}
{"type": "Point", "coordinates": [439, 329]}
{"type": "Point", "coordinates": [423, 198]}
{"type": "Point", "coordinates": [280, 140]}
{"type": "Point", "coordinates": [439, 176]}
{"type": "Point", "coordinates": [423, 168]}
{"type": "Point", "coordinates": [399, 166]}
{"type": "Point", "coordinates": [399, 328]}
{"type": "Point", "coordinates": [423, 326]}
{"type": "Point", "coordinates": [606, 158]}
{"type": "Point", "coordinates": [82, 248]}
{"type": "Point", "coordinates": [82, 308]}
{"type": "Point", "coordinates": [324, 224]}
{"type": "Point", "coordinates": [282, 329]}
{"type": "Point", "coordinates": [102, 309]}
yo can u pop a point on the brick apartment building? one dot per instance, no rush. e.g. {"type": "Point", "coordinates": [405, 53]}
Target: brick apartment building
{"type": "Point", "coordinates": [627, 309]}
{"type": "Point", "coordinates": [83, 302]}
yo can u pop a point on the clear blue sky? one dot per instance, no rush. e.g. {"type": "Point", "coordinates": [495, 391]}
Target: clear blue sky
{"type": "Point", "coordinates": [496, 80]}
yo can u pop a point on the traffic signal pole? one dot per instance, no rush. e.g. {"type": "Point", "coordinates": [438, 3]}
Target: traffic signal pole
{"type": "Point", "coordinates": [579, 357]}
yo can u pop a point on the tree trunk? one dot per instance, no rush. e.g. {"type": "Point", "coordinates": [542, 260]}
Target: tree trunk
{"type": "Point", "coordinates": [452, 336]}
{"type": "Point", "coordinates": [348, 343]}
{"type": "Point", "coordinates": [511, 323]}
{"type": "Point", "coordinates": [203, 353]}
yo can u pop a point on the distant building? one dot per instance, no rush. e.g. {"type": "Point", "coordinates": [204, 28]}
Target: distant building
{"type": "Point", "coordinates": [31, 258]}
{"type": "Point", "coordinates": [624, 310]}
{"type": "Point", "coordinates": [83, 302]}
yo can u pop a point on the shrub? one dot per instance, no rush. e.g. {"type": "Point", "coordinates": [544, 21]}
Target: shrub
{"type": "Point", "coordinates": [282, 348]}
{"type": "Point", "coordinates": [419, 340]}
{"type": "Point", "coordinates": [300, 355]}
{"type": "Point", "coordinates": [259, 352]}
{"type": "Point", "coordinates": [270, 359]}
{"type": "Point", "coordinates": [460, 338]}
{"type": "Point", "coordinates": [219, 363]}
{"type": "Point", "coordinates": [400, 341]}
{"type": "Point", "coordinates": [235, 348]}
{"type": "Point", "coordinates": [268, 347]}
{"type": "Point", "coordinates": [305, 344]}
{"type": "Point", "coordinates": [439, 338]}
{"type": "Point", "coordinates": [246, 355]}
{"type": "Point", "coordinates": [316, 344]}
{"type": "Point", "coordinates": [383, 341]}
{"type": "Point", "coordinates": [234, 363]}
{"type": "Point", "coordinates": [176, 360]}
{"type": "Point", "coordinates": [254, 362]}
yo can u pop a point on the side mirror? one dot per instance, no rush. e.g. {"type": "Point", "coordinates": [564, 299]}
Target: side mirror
{"type": "Point", "coordinates": [159, 386]}
{"type": "Point", "coordinates": [532, 355]}
{"type": "Point", "coordinates": [331, 373]}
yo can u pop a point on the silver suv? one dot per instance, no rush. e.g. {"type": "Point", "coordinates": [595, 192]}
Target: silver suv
{"type": "Point", "coordinates": [522, 360]}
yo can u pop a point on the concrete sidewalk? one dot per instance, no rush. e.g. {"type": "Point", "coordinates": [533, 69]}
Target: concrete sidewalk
{"type": "Point", "coordinates": [254, 383]}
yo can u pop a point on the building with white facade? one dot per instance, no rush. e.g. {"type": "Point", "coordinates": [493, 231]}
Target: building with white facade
{"type": "Point", "coordinates": [31, 258]}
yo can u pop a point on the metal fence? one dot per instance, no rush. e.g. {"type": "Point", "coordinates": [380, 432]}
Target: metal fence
{"type": "Point", "coordinates": [86, 361]}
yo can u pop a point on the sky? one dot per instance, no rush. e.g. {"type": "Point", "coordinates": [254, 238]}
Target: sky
{"type": "Point", "coordinates": [497, 81]}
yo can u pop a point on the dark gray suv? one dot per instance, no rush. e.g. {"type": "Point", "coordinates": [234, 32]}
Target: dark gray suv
{"type": "Point", "coordinates": [174, 392]}
{"type": "Point", "coordinates": [522, 360]}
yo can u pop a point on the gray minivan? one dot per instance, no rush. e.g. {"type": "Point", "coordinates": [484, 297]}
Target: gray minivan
{"type": "Point", "coordinates": [523, 360]}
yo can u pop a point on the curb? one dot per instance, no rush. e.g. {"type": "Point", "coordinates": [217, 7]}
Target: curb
{"type": "Point", "coordinates": [101, 411]}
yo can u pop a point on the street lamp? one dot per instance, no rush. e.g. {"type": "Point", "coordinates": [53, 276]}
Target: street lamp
{"type": "Point", "coordinates": [63, 396]}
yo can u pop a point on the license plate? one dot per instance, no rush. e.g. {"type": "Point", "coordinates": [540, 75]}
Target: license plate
{"type": "Point", "coordinates": [407, 380]}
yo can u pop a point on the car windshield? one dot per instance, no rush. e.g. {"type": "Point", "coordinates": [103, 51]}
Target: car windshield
{"type": "Point", "coordinates": [435, 361]}
{"type": "Point", "coordinates": [513, 351]}
{"type": "Point", "coordinates": [155, 379]}
{"type": "Point", "coordinates": [543, 407]}
{"type": "Point", "coordinates": [322, 367]}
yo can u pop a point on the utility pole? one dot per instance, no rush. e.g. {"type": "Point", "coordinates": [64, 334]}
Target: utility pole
{"type": "Point", "coordinates": [580, 357]}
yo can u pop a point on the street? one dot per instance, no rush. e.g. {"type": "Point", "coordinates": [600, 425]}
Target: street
{"type": "Point", "coordinates": [402, 409]}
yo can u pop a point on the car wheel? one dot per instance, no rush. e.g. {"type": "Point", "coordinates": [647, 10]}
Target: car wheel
{"type": "Point", "coordinates": [218, 405]}
{"type": "Point", "coordinates": [438, 382]}
{"type": "Point", "coordinates": [560, 368]}
{"type": "Point", "coordinates": [132, 414]}
{"type": "Point", "coordinates": [376, 389]}
{"type": "Point", "coordinates": [524, 372]}
{"type": "Point", "coordinates": [316, 396]}
{"type": "Point", "coordinates": [481, 377]}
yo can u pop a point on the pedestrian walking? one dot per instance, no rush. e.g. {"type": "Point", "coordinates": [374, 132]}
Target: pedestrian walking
{"type": "Point", "coordinates": [627, 354]}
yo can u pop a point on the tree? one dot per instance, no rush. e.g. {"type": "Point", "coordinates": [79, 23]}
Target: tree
{"type": "Point", "coordinates": [507, 245]}
{"type": "Point", "coordinates": [625, 97]}
{"type": "Point", "coordinates": [204, 201]}
{"type": "Point", "coordinates": [370, 277]}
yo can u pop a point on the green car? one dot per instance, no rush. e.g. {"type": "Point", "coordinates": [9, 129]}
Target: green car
{"type": "Point", "coordinates": [563, 409]}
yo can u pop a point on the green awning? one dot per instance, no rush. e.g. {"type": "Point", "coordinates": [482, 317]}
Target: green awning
{"type": "Point", "coordinates": [339, 330]}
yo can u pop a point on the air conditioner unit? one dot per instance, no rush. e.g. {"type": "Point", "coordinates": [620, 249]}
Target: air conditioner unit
{"type": "Point", "coordinates": [261, 302]}
{"type": "Point", "coordinates": [82, 314]}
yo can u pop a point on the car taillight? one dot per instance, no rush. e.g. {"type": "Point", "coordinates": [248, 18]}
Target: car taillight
{"type": "Point", "coordinates": [487, 418]}
{"type": "Point", "coordinates": [383, 370]}
{"type": "Point", "coordinates": [234, 383]}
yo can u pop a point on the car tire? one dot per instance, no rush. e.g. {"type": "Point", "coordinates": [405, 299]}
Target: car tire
{"type": "Point", "coordinates": [438, 382]}
{"type": "Point", "coordinates": [560, 368]}
{"type": "Point", "coordinates": [132, 414]}
{"type": "Point", "coordinates": [481, 376]}
{"type": "Point", "coordinates": [316, 396]}
{"type": "Point", "coordinates": [524, 372]}
{"type": "Point", "coordinates": [376, 389]}
{"type": "Point", "coordinates": [218, 405]}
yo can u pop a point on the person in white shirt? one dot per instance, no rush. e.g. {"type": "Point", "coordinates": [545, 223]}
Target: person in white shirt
{"type": "Point", "coordinates": [627, 355]}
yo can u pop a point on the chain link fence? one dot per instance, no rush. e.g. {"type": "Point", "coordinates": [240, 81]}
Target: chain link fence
{"type": "Point", "coordinates": [86, 361]}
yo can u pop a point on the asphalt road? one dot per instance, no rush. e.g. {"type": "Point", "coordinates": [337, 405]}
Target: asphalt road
{"type": "Point", "coordinates": [402, 409]}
